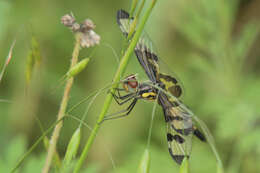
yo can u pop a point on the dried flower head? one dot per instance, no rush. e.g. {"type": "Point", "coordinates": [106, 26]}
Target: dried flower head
{"type": "Point", "coordinates": [89, 39]}
{"type": "Point", "coordinates": [75, 27]}
{"type": "Point", "coordinates": [68, 20]}
{"type": "Point", "coordinates": [87, 25]}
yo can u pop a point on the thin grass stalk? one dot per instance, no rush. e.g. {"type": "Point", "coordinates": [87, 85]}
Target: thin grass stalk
{"type": "Point", "coordinates": [151, 125]}
{"type": "Point", "coordinates": [134, 23]}
{"type": "Point", "coordinates": [63, 107]}
{"type": "Point", "coordinates": [133, 7]}
{"type": "Point", "coordinates": [7, 60]}
{"type": "Point", "coordinates": [118, 75]}
{"type": "Point", "coordinates": [46, 143]}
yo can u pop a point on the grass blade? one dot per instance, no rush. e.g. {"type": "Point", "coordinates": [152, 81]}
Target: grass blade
{"type": "Point", "coordinates": [144, 165]}
{"type": "Point", "coordinates": [7, 60]}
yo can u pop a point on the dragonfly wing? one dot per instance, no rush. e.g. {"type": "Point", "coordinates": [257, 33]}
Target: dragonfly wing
{"type": "Point", "coordinates": [141, 50]}
{"type": "Point", "coordinates": [148, 60]}
{"type": "Point", "coordinates": [179, 129]}
{"type": "Point", "coordinates": [124, 21]}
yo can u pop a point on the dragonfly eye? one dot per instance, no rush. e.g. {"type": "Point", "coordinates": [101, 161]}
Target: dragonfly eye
{"type": "Point", "coordinates": [131, 81]}
{"type": "Point", "coordinates": [133, 84]}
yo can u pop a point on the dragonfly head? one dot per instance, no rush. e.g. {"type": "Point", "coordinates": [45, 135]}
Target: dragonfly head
{"type": "Point", "coordinates": [130, 83]}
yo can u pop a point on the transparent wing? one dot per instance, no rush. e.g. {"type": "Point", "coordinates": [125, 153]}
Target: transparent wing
{"type": "Point", "coordinates": [148, 58]}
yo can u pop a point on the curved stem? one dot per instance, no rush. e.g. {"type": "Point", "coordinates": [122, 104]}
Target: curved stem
{"type": "Point", "coordinates": [63, 106]}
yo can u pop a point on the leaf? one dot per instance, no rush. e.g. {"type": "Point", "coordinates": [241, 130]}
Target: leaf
{"type": "Point", "coordinates": [72, 147]}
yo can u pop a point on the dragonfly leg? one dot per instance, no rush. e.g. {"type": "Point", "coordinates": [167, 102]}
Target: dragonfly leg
{"type": "Point", "coordinates": [125, 112]}
{"type": "Point", "coordinates": [124, 98]}
{"type": "Point", "coordinates": [118, 91]}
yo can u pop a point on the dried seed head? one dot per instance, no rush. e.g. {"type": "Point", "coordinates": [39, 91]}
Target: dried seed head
{"type": "Point", "coordinates": [75, 27]}
{"type": "Point", "coordinates": [68, 20]}
{"type": "Point", "coordinates": [87, 25]}
{"type": "Point", "coordinates": [89, 39]}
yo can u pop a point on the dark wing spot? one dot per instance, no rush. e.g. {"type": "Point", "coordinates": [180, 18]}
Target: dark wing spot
{"type": "Point", "coordinates": [175, 90]}
{"type": "Point", "coordinates": [185, 132]}
{"type": "Point", "coordinates": [169, 118]}
{"type": "Point", "coordinates": [169, 137]}
{"type": "Point", "coordinates": [150, 55]}
{"type": "Point", "coordinates": [199, 135]}
{"type": "Point", "coordinates": [168, 78]}
{"type": "Point", "coordinates": [122, 14]}
{"type": "Point", "coordinates": [177, 138]}
{"type": "Point", "coordinates": [177, 158]}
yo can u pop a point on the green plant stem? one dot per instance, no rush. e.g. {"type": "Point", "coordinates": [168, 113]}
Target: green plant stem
{"type": "Point", "coordinates": [133, 7]}
{"type": "Point", "coordinates": [134, 23]}
{"type": "Point", "coordinates": [119, 73]}
{"type": "Point", "coordinates": [63, 106]}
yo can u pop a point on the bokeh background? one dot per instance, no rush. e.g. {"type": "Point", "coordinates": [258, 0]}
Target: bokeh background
{"type": "Point", "coordinates": [212, 46]}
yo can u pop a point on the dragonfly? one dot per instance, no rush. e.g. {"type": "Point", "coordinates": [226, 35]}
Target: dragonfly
{"type": "Point", "coordinates": [180, 127]}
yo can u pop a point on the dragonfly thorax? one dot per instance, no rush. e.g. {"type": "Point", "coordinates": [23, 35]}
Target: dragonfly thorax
{"type": "Point", "coordinates": [147, 92]}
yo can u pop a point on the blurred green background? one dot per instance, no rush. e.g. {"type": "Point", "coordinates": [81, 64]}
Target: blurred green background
{"type": "Point", "coordinates": [212, 46]}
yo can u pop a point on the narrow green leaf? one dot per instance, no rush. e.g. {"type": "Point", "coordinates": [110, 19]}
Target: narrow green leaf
{"type": "Point", "coordinates": [72, 147]}
{"type": "Point", "coordinates": [184, 166]}
{"type": "Point", "coordinates": [78, 68]}
{"type": "Point", "coordinates": [36, 50]}
{"type": "Point", "coordinates": [144, 165]}
{"type": "Point", "coordinates": [33, 58]}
